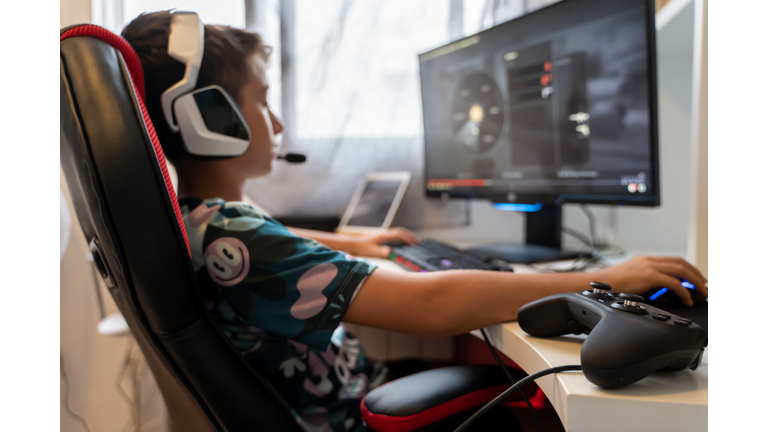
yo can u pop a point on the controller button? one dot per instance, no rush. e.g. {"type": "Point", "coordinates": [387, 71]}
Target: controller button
{"type": "Point", "coordinates": [599, 289]}
{"type": "Point", "coordinates": [631, 300]}
{"type": "Point", "coordinates": [660, 317]}
{"type": "Point", "coordinates": [682, 322]}
{"type": "Point", "coordinates": [631, 309]}
{"type": "Point", "coordinates": [576, 328]}
{"type": "Point", "coordinates": [597, 294]}
{"type": "Point", "coordinates": [632, 297]}
{"type": "Point", "coordinates": [600, 286]}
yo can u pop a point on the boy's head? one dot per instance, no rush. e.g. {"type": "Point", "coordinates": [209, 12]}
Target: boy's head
{"type": "Point", "coordinates": [233, 58]}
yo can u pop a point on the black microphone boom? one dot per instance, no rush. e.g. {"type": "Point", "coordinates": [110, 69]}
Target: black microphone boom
{"type": "Point", "coordinates": [293, 157]}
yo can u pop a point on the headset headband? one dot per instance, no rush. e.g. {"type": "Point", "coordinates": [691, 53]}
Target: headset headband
{"type": "Point", "coordinates": [185, 44]}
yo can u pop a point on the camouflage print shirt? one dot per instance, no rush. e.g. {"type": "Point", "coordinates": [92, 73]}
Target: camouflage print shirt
{"type": "Point", "coordinates": [280, 299]}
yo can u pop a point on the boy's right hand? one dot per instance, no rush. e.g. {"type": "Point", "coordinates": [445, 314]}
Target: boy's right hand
{"type": "Point", "coordinates": [376, 245]}
{"type": "Point", "coordinates": [642, 273]}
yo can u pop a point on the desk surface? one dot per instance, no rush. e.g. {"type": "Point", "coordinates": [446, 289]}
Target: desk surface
{"type": "Point", "coordinates": [662, 401]}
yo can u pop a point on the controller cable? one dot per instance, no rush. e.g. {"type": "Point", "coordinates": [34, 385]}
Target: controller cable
{"type": "Point", "coordinates": [500, 398]}
{"type": "Point", "coordinates": [511, 378]}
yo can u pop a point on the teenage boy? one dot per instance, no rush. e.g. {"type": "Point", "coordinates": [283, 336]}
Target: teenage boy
{"type": "Point", "coordinates": [280, 294]}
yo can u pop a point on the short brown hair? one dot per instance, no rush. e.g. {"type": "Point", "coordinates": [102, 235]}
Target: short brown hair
{"type": "Point", "coordinates": [224, 62]}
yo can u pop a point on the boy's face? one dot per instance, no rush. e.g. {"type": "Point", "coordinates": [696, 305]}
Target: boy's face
{"type": "Point", "coordinates": [263, 123]}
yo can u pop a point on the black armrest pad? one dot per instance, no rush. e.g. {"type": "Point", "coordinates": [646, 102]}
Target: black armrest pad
{"type": "Point", "coordinates": [412, 402]}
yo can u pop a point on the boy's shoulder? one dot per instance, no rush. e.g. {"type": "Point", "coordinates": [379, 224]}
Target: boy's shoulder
{"type": "Point", "coordinates": [227, 215]}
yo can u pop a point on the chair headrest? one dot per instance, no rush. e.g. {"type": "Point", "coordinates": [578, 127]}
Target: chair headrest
{"type": "Point", "coordinates": [133, 64]}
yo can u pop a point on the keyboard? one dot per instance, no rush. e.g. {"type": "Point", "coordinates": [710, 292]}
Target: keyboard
{"type": "Point", "coordinates": [431, 255]}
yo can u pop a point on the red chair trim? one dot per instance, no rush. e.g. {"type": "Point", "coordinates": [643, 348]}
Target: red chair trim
{"type": "Point", "coordinates": [137, 80]}
{"type": "Point", "coordinates": [538, 401]}
{"type": "Point", "coordinates": [385, 423]}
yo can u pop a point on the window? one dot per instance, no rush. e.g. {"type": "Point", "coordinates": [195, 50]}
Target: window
{"type": "Point", "coordinates": [115, 14]}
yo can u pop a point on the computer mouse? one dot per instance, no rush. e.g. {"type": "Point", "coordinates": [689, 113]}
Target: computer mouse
{"type": "Point", "coordinates": [665, 297]}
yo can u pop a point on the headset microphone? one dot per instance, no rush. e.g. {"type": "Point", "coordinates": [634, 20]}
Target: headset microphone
{"type": "Point", "coordinates": [293, 157]}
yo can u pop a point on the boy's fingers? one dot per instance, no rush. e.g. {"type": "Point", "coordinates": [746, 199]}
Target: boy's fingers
{"type": "Point", "coordinates": [409, 236]}
{"type": "Point", "coordinates": [682, 272]}
{"type": "Point", "coordinates": [672, 284]}
{"type": "Point", "coordinates": [691, 267]}
{"type": "Point", "coordinates": [402, 235]}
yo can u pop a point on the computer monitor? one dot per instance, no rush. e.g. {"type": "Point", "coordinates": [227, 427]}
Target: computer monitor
{"type": "Point", "coordinates": [555, 106]}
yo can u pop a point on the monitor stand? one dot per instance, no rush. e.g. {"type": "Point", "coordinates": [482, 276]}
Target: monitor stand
{"type": "Point", "coordinates": [543, 239]}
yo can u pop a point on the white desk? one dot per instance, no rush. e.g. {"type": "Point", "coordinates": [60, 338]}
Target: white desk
{"type": "Point", "coordinates": [674, 401]}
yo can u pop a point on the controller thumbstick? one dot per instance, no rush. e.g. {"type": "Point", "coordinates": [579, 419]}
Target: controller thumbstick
{"type": "Point", "coordinates": [599, 287]}
{"type": "Point", "coordinates": [631, 299]}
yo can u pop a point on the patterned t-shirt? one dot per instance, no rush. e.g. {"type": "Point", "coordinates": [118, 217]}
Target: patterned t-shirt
{"type": "Point", "coordinates": [280, 299]}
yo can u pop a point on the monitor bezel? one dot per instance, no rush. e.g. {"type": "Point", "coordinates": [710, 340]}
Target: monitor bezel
{"type": "Point", "coordinates": [651, 200]}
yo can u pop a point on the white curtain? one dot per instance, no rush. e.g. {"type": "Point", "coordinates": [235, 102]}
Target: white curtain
{"type": "Point", "coordinates": [350, 96]}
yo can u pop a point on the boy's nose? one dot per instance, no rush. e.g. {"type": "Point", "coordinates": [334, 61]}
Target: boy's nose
{"type": "Point", "coordinates": [277, 124]}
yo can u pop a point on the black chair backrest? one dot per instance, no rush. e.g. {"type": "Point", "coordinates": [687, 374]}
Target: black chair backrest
{"type": "Point", "coordinates": [116, 174]}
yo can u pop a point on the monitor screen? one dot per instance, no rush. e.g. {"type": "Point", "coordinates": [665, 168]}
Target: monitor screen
{"type": "Point", "coordinates": [558, 105]}
{"type": "Point", "coordinates": [374, 204]}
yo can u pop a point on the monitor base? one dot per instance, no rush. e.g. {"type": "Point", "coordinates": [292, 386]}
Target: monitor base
{"type": "Point", "coordinates": [527, 253]}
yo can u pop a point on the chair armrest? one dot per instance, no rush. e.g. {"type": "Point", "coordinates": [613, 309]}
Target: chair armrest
{"type": "Point", "coordinates": [421, 401]}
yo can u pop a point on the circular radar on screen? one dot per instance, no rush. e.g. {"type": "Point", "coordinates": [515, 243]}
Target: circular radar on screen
{"type": "Point", "coordinates": [477, 115]}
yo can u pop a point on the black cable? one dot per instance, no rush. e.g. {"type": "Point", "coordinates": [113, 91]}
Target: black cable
{"type": "Point", "coordinates": [593, 258]}
{"type": "Point", "coordinates": [65, 398]}
{"type": "Point", "coordinates": [577, 235]}
{"type": "Point", "coordinates": [500, 398]}
{"type": "Point", "coordinates": [511, 378]}
{"type": "Point", "coordinates": [592, 224]}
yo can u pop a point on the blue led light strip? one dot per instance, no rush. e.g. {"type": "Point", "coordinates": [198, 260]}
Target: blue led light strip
{"type": "Point", "coordinates": [519, 207]}
{"type": "Point", "coordinates": [657, 294]}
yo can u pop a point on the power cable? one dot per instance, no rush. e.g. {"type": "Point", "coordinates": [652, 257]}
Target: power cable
{"type": "Point", "coordinates": [515, 387]}
{"type": "Point", "coordinates": [511, 378]}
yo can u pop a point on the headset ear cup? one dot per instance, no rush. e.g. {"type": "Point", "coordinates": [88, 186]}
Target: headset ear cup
{"type": "Point", "coordinates": [211, 123]}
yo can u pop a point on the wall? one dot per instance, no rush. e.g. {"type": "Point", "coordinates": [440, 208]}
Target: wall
{"type": "Point", "coordinates": [699, 239]}
{"type": "Point", "coordinates": [74, 12]}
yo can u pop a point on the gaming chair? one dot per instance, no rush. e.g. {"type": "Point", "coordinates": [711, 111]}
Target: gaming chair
{"type": "Point", "coordinates": [122, 195]}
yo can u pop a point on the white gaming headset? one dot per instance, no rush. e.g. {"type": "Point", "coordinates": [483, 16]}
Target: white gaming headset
{"type": "Point", "coordinates": [209, 120]}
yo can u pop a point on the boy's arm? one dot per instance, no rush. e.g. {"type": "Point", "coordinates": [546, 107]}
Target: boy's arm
{"type": "Point", "coordinates": [456, 301]}
{"type": "Point", "coordinates": [370, 245]}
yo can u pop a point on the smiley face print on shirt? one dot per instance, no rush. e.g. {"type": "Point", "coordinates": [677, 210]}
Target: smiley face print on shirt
{"type": "Point", "coordinates": [227, 260]}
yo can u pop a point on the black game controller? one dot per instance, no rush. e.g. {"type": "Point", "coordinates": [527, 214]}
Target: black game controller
{"type": "Point", "coordinates": [628, 339]}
